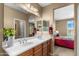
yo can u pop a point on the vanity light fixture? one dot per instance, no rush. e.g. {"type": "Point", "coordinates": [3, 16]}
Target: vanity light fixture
{"type": "Point", "coordinates": [28, 7]}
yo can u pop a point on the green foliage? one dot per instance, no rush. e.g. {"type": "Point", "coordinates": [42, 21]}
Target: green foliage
{"type": "Point", "coordinates": [8, 32]}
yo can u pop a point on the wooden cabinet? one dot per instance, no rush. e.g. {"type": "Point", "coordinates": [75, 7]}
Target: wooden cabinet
{"type": "Point", "coordinates": [49, 46]}
{"type": "Point", "coordinates": [38, 50]}
{"type": "Point", "coordinates": [28, 53]}
{"type": "Point", "coordinates": [43, 49]}
{"type": "Point", "coordinates": [37, 47]}
{"type": "Point", "coordinates": [45, 44]}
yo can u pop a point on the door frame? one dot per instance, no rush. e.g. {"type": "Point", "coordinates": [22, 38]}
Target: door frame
{"type": "Point", "coordinates": [75, 19]}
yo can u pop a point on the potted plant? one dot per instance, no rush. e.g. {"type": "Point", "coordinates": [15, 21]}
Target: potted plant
{"type": "Point", "coordinates": [9, 34]}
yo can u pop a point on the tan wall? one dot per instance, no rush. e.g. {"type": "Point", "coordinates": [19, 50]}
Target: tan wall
{"type": "Point", "coordinates": [61, 26]}
{"type": "Point", "coordinates": [1, 21]}
{"type": "Point", "coordinates": [1, 27]}
{"type": "Point", "coordinates": [9, 16]}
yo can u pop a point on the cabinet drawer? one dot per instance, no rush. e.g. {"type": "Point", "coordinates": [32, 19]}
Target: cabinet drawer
{"type": "Point", "coordinates": [27, 53]}
{"type": "Point", "coordinates": [38, 47]}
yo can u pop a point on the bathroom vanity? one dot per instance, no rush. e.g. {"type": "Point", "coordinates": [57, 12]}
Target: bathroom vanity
{"type": "Point", "coordinates": [43, 49]}
{"type": "Point", "coordinates": [23, 45]}
{"type": "Point", "coordinates": [31, 46]}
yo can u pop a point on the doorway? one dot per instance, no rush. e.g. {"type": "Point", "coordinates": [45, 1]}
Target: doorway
{"type": "Point", "coordinates": [64, 34]}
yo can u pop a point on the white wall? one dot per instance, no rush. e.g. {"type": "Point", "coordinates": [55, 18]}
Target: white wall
{"type": "Point", "coordinates": [64, 12]}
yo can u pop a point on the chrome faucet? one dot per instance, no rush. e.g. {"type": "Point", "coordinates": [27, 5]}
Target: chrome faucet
{"type": "Point", "coordinates": [22, 41]}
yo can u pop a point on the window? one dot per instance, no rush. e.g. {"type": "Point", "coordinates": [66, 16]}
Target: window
{"type": "Point", "coordinates": [70, 28]}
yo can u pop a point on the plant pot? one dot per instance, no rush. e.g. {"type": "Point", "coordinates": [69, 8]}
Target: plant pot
{"type": "Point", "coordinates": [10, 41]}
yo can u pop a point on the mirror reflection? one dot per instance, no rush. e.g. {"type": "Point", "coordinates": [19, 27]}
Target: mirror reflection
{"type": "Point", "coordinates": [20, 29]}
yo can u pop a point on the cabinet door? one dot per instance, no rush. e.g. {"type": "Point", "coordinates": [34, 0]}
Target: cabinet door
{"type": "Point", "coordinates": [45, 44]}
{"type": "Point", "coordinates": [27, 53]}
{"type": "Point", "coordinates": [49, 47]}
{"type": "Point", "coordinates": [38, 50]}
{"type": "Point", "coordinates": [45, 49]}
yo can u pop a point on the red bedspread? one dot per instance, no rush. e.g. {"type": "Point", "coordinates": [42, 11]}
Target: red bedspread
{"type": "Point", "coordinates": [65, 42]}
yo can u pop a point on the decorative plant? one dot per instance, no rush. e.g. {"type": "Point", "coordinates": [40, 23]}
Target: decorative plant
{"type": "Point", "coordinates": [8, 32]}
{"type": "Point", "coordinates": [8, 36]}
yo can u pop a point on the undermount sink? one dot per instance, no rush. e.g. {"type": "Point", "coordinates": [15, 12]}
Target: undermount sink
{"type": "Point", "coordinates": [26, 42]}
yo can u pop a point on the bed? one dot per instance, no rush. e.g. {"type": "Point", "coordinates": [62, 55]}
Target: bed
{"type": "Point", "coordinates": [64, 42]}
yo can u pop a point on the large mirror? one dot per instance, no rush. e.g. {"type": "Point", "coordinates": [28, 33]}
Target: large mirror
{"type": "Point", "coordinates": [20, 28]}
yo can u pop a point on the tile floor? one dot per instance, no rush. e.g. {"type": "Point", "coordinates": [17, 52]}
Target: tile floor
{"type": "Point", "coordinates": [61, 51]}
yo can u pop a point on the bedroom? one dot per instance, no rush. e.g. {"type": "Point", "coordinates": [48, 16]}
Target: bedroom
{"type": "Point", "coordinates": [64, 31]}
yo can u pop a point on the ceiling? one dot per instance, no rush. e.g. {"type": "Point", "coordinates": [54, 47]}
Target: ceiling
{"type": "Point", "coordinates": [16, 7]}
{"type": "Point", "coordinates": [44, 4]}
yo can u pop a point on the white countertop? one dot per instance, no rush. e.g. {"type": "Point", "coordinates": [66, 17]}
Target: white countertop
{"type": "Point", "coordinates": [18, 49]}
